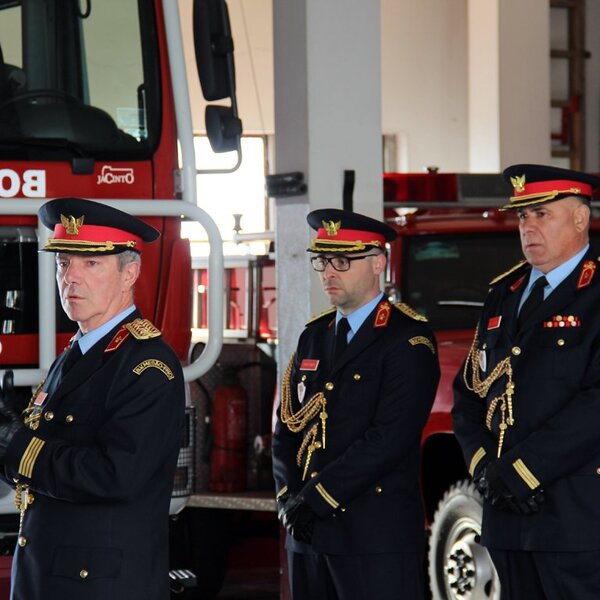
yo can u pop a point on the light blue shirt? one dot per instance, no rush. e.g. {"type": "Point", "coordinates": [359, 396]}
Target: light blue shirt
{"type": "Point", "coordinates": [87, 340]}
{"type": "Point", "coordinates": [554, 277]}
{"type": "Point", "coordinates": [357, 318]}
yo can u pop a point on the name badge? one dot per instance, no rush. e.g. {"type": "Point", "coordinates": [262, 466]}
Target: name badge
{"type": "Point", "coordinates": [309, 364]}
{"type": "Point", "coordinates": [39, 399]}
{"type": "Point", "coordinates": [494, 322]}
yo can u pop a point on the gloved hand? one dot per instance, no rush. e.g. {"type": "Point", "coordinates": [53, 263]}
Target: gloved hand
{"type": "Point", "coordinates": [281, 504]}
{"type": "Point", "coordinates": [10, 422]}
{"type": "Point", "coordinates": [298, 519]}
{"type": "Point", "coordinates": [493, 489]}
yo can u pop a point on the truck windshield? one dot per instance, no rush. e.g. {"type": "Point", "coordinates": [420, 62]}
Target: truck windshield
{"type": "Point", "coordinates": [446, 277]}
{"type": "Point", "coordinates": [78, 78]}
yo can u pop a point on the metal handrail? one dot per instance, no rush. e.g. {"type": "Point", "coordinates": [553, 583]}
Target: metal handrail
{"type": "Point", "coordinates": [147, 208]}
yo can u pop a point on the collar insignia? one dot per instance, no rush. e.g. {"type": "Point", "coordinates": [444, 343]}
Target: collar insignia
{"type": "Point", "coordinates": [587, 273]}
{"type": "Point", "coordinates": [383, 314]}
{"type": "Point", "coordinates": [515, 286]}
{"type": "Point", "coordinates": [119, 338]}
{"type": "Point", "coordinates": [71, 224]}
{"type": "Point", "coordinates": [518, 183]}
{"type": "Point", "coordinates": [331, 227]}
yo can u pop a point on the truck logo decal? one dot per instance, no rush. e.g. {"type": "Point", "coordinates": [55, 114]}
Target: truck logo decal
{"type": "Point", "coordinates": [31, 184]}
{"type": "Point", "coordinates": [110, 175]}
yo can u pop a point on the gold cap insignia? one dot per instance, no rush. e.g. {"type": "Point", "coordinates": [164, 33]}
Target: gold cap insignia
{"type": "Point", "coordinates": [331, 227]}
{"type": "Point", "coordinates": [518, 183]}
{"type": "Point", "coordinates": [71, 224]}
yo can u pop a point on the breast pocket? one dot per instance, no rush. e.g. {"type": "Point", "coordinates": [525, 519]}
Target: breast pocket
{"type": "Point", "coordinates": [566, 348]}
{"type": "Point", "coordinates": [75, 418]}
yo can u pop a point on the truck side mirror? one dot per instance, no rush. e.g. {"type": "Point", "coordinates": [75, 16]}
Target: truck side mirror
{"type": "Point", "coordinates": [213, 46]}
{"type": "Point", "coordinates": [223, 128]}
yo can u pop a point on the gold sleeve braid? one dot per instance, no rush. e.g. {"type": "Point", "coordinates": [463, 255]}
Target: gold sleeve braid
{"type": "Point", "coordinates": [298, 421]}
{"type": "Point", "coordinates": [482, 387]}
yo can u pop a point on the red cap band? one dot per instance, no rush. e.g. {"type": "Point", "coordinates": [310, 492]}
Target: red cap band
{"type": "Point", "coordinates": [352, 235]}
{"type": "Point", "coordinates": [98, 234]}
{"type": "Point", "coordinates": [554, 186]}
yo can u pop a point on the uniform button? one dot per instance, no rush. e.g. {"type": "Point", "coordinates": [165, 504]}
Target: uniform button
{"type": "Point", "coordinates": [343, 509]}
{"type": "Point", "coordinates": [22, 541]}
{"type": "Point", "coordinates": [83, 574]}
{"type": "Point", "coordinates": [379, 489]}
{"type": "Point", "coordinates": [303, 378]}
{"type": "Point", "coordinates": [314, 474]}
{"type": "Point", "coordinates": [598, 471]}
{"type": "Point", "coordinates": [516, 350]}
{"type": "Point", "coordinates": [356, 376]}
{"type": "Point", "coordinates": [329, 386]}
{"type": "Point", "coordinates": [49, 415]}
{"type": "Point", "coordinates": [69, 418]}
{"type": "Point", "coordinates": [560, 342]}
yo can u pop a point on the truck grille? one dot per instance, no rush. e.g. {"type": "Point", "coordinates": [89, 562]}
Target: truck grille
{"type": "Point", "coordinates": [184, 474]}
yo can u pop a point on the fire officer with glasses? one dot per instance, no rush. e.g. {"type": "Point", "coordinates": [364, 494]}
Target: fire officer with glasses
{"type": "Point", "coordinates": [527, 400]}
{"type": "Point", "coordinates": [93, 456]}
{"type": "Point", "coordinates": [355, 398]}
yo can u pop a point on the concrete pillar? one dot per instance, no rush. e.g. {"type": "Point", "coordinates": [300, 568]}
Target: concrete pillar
{"type": "Point", "coordinates": [509, 83]}
{"type": "Point", "coordinates": [327, 120]}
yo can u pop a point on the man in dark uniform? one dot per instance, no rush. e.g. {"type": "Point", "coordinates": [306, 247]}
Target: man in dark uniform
{"type": "Point", "coordinates": [527, 401]}
{"type": "Point", "coordinates": [355, 398]}
{"type": "Point", "coordinates": [94, 460]}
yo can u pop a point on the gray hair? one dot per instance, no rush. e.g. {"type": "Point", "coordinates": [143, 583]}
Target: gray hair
{"type": "Point", "coordinates": [126, 257]}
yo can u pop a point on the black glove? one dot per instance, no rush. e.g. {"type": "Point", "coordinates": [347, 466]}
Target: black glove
{"type": "Point", "coordinates": [298, 519]}
{"type": "Point", "coordinates": [281, 504]}
{"type": "Point", "coordinates": [10, 421]}
{"type": "Point", "coordinates": [496, 492]}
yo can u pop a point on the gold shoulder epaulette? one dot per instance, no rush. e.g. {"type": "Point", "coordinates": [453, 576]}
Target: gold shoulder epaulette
{"type": "Point", "coordinates": [321, 315]}
{"type": "Point", "coordinates": [507, 273]}
{"type": "Point", "coordinates": [410, 312]}
{"type": "Point", "coordinates": [142, 329]}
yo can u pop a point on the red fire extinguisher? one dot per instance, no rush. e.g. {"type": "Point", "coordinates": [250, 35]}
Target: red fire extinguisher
{"type": "Point", "coordinates": [228, 464]}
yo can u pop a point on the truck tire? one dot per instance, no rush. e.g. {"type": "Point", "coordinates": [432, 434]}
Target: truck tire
{"type": "Point", "coordinates": [459, 567]}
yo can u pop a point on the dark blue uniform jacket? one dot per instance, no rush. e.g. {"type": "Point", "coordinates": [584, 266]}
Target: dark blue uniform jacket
{"type": "Point", "coordinates": [554, 441]}
{"type": "Point", "coordinates": [100, 461]}
{"type": "Point", "coordinates": [363, 482]}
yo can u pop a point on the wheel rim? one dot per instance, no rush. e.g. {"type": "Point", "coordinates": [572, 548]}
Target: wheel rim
{"type": "Point", "coordinates": [468, 569]}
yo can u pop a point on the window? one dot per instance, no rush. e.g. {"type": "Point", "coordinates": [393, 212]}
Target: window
{"type": "Point", "coordinates": [224, 194]}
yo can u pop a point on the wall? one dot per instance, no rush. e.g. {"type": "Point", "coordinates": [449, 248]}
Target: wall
{"type": "Point", "coordinates": [424, 82]}
{"type": "Point", "coordinates": [424, 78]}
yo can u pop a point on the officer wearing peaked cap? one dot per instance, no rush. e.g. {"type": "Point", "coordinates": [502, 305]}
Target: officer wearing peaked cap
{"type": "Point", "coordinates": [92, 484]}
{"type": "Point", "coordinates": [355, 398]}
{"type": "Point", "coordinates": [528, 396]}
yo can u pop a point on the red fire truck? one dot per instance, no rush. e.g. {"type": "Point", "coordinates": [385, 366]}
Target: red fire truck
{"type": "Point", "coordinates": [94, 103]}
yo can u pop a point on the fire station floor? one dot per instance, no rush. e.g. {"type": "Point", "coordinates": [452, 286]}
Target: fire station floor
{"type": "Point", "coordinates": [251, 584]}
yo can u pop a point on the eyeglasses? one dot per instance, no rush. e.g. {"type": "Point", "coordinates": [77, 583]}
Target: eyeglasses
{"type": "Point", "coordinates": [339, 263]}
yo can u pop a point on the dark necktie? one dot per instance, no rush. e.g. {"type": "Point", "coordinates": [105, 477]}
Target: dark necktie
{"type": "Point", "coordinates": [341, 338]}
{"type": "Point", "coordinates": [536, 297]}
{"type": "Point", "coordinates": [68, 359]}
{"type": "Point", "coordinates": [72, 355]}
